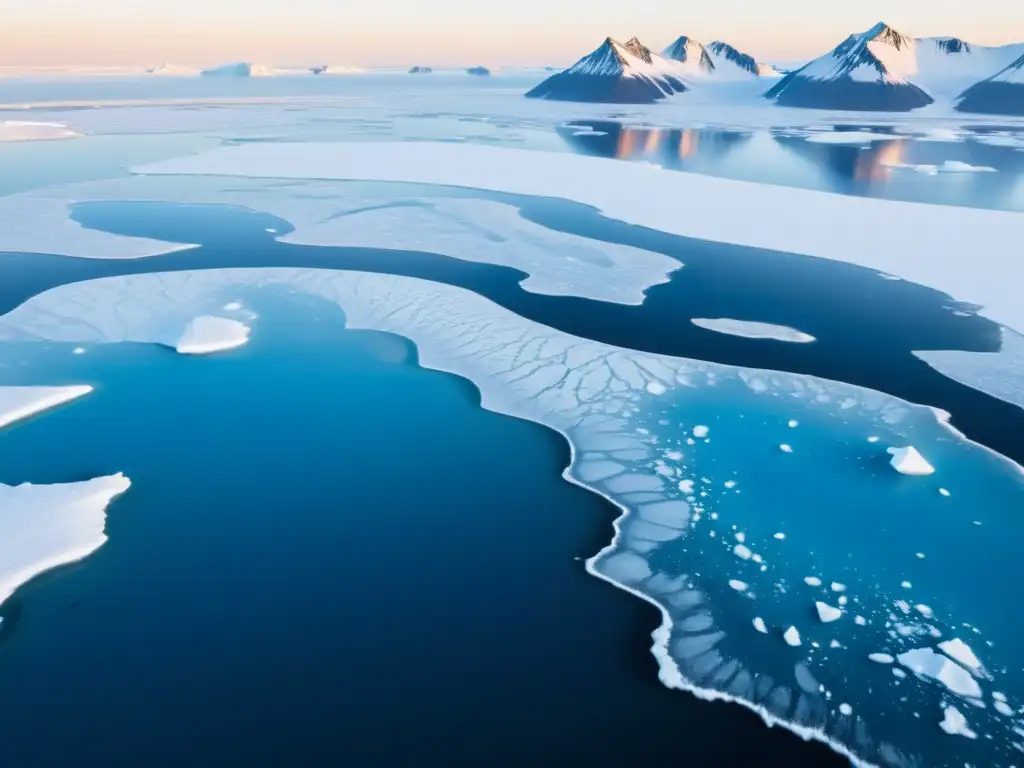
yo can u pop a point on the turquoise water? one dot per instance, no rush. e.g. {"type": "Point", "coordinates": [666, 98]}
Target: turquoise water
{"type": "Point", "coordinates": [327, 555]}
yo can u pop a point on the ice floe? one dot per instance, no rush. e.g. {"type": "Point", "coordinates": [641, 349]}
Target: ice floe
{"type": "Point", "coordinates": [996, 373]}
{"type": "Point", "coordinates": [949, 166]}
{"type": "Point", "coordinates": [207, 334]}
{"type": "Point", "coordinates": [955, 724]}
{"type": "Point", "coordinates": [23, 130]}
{"type": "Point", "coordinates": [960, 652]}
{"type": "Point", "coordinates": [792, 636]}
{"type": "Point", "coordinates": [908, 461]}
{"type": "Point", "coordinates": [921, 243]}
{"type": "Point", "coordinates": [597, 396]}
{"type": "Point", "coordinates": [45, 526]}
{"type": "Point", "coordinates": [18, 403]}
{"type": "Point", "coordinates": [861, 138]}
{"type": "Point", "coordinates": [827, 613]}
{"type": "Point", "coordinates": [881, 658]}
{"type": "Point", "coordinates": [752, 330]}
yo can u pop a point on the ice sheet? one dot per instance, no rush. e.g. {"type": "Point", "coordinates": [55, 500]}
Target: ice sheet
{"type": "Point", "coordinates": [1000, 374]}
{"type": "Point", "coordinates": [17, 403]}
{"type": "Point", "coordinates": [954, 250]}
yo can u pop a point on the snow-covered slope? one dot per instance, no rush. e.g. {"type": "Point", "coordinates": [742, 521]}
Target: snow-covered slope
{"type": "Point", "coordinates": [884, 70]}
{"type": "Point", "coordinates": [615, 73]}
{"type": "Point", "coordinates": [238, 69]}
{"type": "Point", "coordinates": [1001, 94]}
{"type": "Point", "coordinates": [732, 62]}
{"type": "Point", "coordinates": [693, 57]}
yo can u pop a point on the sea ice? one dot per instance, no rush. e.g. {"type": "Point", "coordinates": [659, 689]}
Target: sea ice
{"type": "Point", "coordinates": [928, 663]}
{"type": "Point", "coordinates": [21, 130]}
{"type": "Point", "coordinates": [995, 373]}
{"type": "Point", "coordinates": [739, 586]}
{"type": "Point", "coordinates": [759, 625]}
{"type": "Point", "coordinates": [959, 651]}
{"type": "Point", "coordinates": [700, 431]}
{"type": "Point", "coordinates": [792, 636]}
{"type": "Point", "coordinates": [918, 242]}
{"type": "Point", "coordinates": [44, 526]}
{"type": "Point", "coordinates": [849, 137]}
{"type": "Point", "coordinates": [18, 403]}
{"type": "Point", "coordinates": [826, 612]}
{"type": "Point", "coordinates": [207, 334]}
{"type": "Point", "coordinates": [812, 581]}
{"type": "Point", "coordinates": [955, 724]}
{"type": "Point", "coordinates": [752, 330]}
{"type": "Point", "coordinates": [907, 461]}
{"type": "Point", "coordinates": [881, 658]}
{"type": "Point", "coordinates": [785, 447]}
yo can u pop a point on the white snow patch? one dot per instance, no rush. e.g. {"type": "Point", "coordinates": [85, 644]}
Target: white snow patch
{"type": "Point", "coordinates": [18, 403]}
{"type": "Point", "coordinates": [907, 461]}
{"type": "Point", "coordinates": [207, 334]}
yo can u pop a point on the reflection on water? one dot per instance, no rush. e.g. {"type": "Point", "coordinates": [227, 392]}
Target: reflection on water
{"type": "Point", "coordinates": [789, 159]}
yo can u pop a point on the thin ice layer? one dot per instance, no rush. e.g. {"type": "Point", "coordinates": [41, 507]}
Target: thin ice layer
{"type": "Point", "coordinates": [1000, 374]}
{"type": "Point", "coordinates": [629, 445]}
{"type": "Point", "coordinates": [17, 403]}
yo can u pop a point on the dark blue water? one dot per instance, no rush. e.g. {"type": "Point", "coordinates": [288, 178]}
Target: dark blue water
{"type": "Point", "coordinates": [866, 326]}
{"type": "Point", "coordinates": [778, 158]}
{"type": "Point", "coordinates": [328, 556]}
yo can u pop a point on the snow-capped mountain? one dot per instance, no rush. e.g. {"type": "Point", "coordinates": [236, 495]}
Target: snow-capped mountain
{"type": "Point", "coordinates": [729, 60]}
{"type": "Point", "coordinates": [884, 70]}
{"type": "Point", "coordinates": [1001, 94]}
{"type": "Point", "coordinates": [238, 69]}
{"type": "Point", "coordinates": [692, 56]}
{"type": "Point", "coordinates": [615, 73]}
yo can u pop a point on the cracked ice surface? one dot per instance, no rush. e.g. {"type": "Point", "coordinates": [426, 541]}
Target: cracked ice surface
{"type": "Point", "coordinates": [338, 214]}
{"type": "Point", "coordinates": [634, 444]}
{"type": "Point", "coordinates": [999, 374]}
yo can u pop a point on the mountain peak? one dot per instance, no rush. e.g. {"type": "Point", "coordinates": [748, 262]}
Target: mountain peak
{"type": "Point", "coordinates": [883, 33]}
{"type": "Point", "coordinates": [638, 49]}
{"type": "Point", "coordinates": [691, 53]}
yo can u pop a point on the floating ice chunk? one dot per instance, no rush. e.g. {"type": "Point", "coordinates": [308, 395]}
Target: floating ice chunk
{"type": "Point", "coordinates": [760, 626]}
{"type": "Point", "coordinates": [785, 448]}
{"type": "Point", "coordinates": [943, 491]}
{"type": "Point", "coordinates": [927, 663]}
{"type": "Point", "coordinates": [919, 555]}
{"type": "Point", "coordinates": [955, 724]}
{"type": "Point", "coordinates": [873, 439]}
{"type": "Point", "coordinates": [730, 483]}
{"type": "Point", "coordinates": [232, 306]}
{"type": "Point", "coordinates": [44, 526]}
{"type": "Point", "coordinates": [1000, 705]}
{"type": "Point", "coordinates": [207, 334]}
{"type": "Point", "coordinates": [924, 610]}
{"type": "Point", "coordinates": [835, 644]}
{"type": "Point", "coordinates": [742, 552]}
{"type": "Point", "coordinates": [686, 486]}
{"type": "Point", "coordinates": [826, 612]}
{"type": "Point", "coordinates": [18, 403]}
{"type": "Point", "coordinates": [740, 536]}
{"type": "Point", "coordinates": [845, 709]}
{"type": "Point", "coordinates": [672, 513]}
{"type": "Point", "coordinates": [78, 351]}
{"type": "Point", "coordinates": [956, 166]}
{"type": "Point", "coordinates": [849, 137]}
{"type": "Point", "coordinates": [959, 651]}
{"type": "Point", "coordinates": [842, 600]}
{"type": "Point", "coordinates": [24, 130]}
{"type": "Point", "coordinates": [881, 658]}
{"type": "Point", "coordinates": [812, 581]}
{"type": "Point", "coordinates": [626, 567]}
{"type": "Point", "coordinates": [899, 672]}
{"type": "Point", "coordinates": [780, 536]}
{"type": "Point", "coordinates": [837, 587]}
{"type": "Point", "coordinates": [860, 621]}
{"type": "Point", "coordinates": [793, 423]}
{"type": "Point", "coordinates": [739, 586]}
{"type": "Point", "coordinates": [700, 431]}
{"type": "Point", "coordinates": [656, 388]}
{"type": "Point", "coordinates": [792, 636]}
{"type": "Point", "coordinates": [752, 330]}
{"type": "Point", "coordinates": [906, 585]}
{"type": "Point", "coordinates": [907, 461]}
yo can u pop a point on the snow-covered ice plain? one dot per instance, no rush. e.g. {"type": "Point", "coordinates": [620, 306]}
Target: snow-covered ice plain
{"type": "Point", "coordinates": [625, 415]}
{"type": "Point", "coordinates": [753, 501]}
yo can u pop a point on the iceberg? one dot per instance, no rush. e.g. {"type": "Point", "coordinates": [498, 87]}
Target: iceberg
{"type": "Point", "coordinates": [17, 403]}
{"type": "Point", "coordinates": [238, 69]}
{"type": "Point", "coordinates": [917, 242]}
{"type": "Point", "coordinates": [46, 526]}
{"type": "Point", "coordinates": [752, 330]}
{"type": "Point", "coordinates": [907, 461]}
{"type": "Point", "coordinates": [207, 334]}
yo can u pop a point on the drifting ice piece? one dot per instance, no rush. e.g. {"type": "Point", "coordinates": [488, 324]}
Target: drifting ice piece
{"type": "Point", "coordinates": [18, 403]}
{"type": "Point", "coordinates": [907, 461]}
{"type": "Point", "coordinates": [826, 612]}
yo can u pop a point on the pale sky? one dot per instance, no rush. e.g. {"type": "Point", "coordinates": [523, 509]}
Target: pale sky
{"type": "Point", "coordinates": [458, 32]}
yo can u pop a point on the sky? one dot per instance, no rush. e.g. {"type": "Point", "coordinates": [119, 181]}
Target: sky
{"type": "Point", "coordinates": [458, 32]}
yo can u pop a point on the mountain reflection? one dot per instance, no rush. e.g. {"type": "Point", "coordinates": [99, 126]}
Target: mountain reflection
{"type": "Point", "coordinates": [671, 148]}
{"type": "Point", "coordinates": [853, 166]}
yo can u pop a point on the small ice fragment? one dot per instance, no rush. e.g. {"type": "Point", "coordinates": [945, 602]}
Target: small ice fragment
{"type": "Point", "coordinates": [739, 586]}
{"type": "Point", "coordinates": [960, 652]}
{"type": "Point", "coordinates": [791, 636]}
{"type": "Point", "coordinates": [673, 455]}
{"type": "Point", "coordinates": [656, 388]}
{"type": "Point", "coordinates": [842, 599]}
{"type": "Point", "coordinates": [700, 431]}
{"type": "Point", "coordinates": [873, 439]}
{"type": "Point", "coordinates": [835, 644]}
{"type": "Point", "coordinates": [920, 555]}
{"type": "Point", "coordinates": [780, 536]}
{"type": "Point", "coordinates": [730, 483]}
{"type": "Point", "coordinates": [954, 723]}
{"type": "Point", "coordinates": [233, 306]}
{"type": "Point", "coordinates": [998, 696]}
{"type": "Point", "coordinates": [943, 491]}
{"type": "Point", "coordinates": [826, 612]}
{"type": "Point", "coordinates": [785, 448]}
{"type": "Point", "coordinates": [837, 587]}
{"type": "Point", "coordinates": [906, 585]}
{"type": "Point", "coordinates": [686, 486]}
{"type": "Point", "coordinates": [793, 423]}
{"type": "Point", "coordinates": [881, 658]}
{"type": "Point", "coordinates": [759, 625]}
{"type": "Point", "coordinates": [899, 672]}
{"type": "Point", "coordinates": [741, 537]}
{"type": "Point", "coordinates": [78, 351]}
{"type": "Point", "coordinates": [271, 230]}
{"type": "Point", "coordinates": [846, 709]}
{"type": "Point", "coordinates": [812, 581]}
{"type": "Point", "coordinates": [1002, 708]}
{"type": "Point", "coordinates": [742, 552]}
{"type": "Point", "coordinates": [907, 461]}
{"type": "Point", "coordinates": [924, 610]}
{"type": "Point", "coordinates": [860, 621]}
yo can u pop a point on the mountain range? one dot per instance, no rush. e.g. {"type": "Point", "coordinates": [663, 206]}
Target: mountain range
{"type": "Point", "coordinates": [877, 70]}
